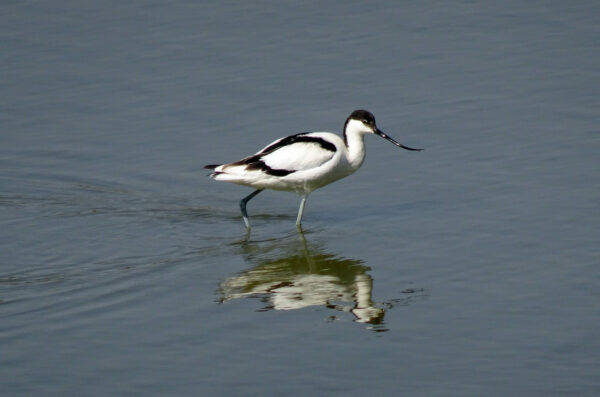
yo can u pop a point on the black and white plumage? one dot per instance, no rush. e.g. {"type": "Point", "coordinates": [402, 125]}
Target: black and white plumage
{"type": "Point", "coordinates": [303, 162]}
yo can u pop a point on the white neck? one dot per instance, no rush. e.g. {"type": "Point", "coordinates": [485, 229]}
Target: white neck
{"type": "Point", "coordinates": [355, 133]}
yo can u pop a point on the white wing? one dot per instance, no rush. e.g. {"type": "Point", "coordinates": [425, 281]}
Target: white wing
{"type": "Point", "coordinates": [298, 156]}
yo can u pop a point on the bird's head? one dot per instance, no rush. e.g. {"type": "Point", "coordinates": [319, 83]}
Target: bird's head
{"type": "Point", "coordinates": [362, 122]}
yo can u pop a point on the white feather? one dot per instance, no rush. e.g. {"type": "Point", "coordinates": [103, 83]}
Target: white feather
{"type": "Point", "coordinates": [298, 156]}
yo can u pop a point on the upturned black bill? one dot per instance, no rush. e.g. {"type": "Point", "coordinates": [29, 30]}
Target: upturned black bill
{"type": "Point", "coordinates": [381, 134]}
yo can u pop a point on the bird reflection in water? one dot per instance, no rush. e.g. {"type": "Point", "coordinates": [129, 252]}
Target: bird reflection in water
{"type": "Point", "coordinates": [300, 277]}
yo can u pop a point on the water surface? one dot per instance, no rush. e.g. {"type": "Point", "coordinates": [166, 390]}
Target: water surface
{"type": "Point", "coordinates": [468, 269]}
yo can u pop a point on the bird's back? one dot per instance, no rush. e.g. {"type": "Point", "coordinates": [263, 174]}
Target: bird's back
{"type": "Point", "coordinates": [298, 163]}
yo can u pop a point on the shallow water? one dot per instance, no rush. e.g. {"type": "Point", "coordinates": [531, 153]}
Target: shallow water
{"type": "Point", "coordinates": [468, 269]}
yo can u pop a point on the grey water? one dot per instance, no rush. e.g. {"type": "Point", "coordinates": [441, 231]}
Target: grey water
{"type": "Point", "coordinates": [471, 268]}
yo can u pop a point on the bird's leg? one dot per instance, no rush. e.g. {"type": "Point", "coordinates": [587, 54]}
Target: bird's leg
{"type": "Point", "coordinates": [243, 203]}
{"type": "Point", "coordinates": [301, 211]}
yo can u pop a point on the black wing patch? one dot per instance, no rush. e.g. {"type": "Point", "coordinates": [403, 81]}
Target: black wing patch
{"type": "Point", "coordinates": [254, 162]}
{"type": "Point", "coordinates": [260, 165]}
{"type": "Point", "coordinates": [301, 137]}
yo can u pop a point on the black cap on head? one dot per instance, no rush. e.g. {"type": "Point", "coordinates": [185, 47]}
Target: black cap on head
{"type": "Point", "coordinates": [363, 115]}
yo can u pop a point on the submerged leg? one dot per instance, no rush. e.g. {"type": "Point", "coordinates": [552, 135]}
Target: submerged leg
{"type": "Point", "coordinates": [243, 203]}
{"type": "Point", "coordinates": [301, 211]}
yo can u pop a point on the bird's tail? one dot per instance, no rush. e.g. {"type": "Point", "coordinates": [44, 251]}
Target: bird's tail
{"type": "Point", "coordinates": [212, 167]}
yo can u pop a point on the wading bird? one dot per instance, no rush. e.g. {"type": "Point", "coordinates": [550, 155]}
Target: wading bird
{"type": "Point", "coordinates": [303, 162]}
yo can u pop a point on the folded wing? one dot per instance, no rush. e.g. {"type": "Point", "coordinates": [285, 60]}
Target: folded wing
{"type": "Point", "coordinates": [285, 156]}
